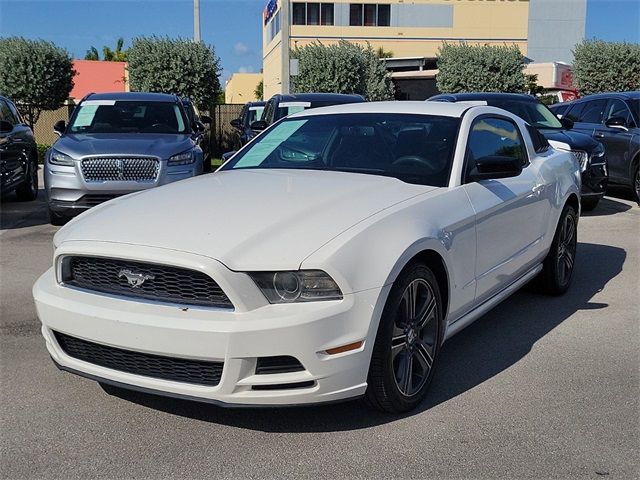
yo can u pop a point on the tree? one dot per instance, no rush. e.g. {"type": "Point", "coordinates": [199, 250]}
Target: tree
{"type": "Point", "coordinates": [180, 66]}
{"type": "Point", "coordinates": [35, 74]}
{"type": "Point", "coordinates": [382, 53]}
{"type": "Point", "coordinates": [117, 55]}
{"type": "Point", "coordinates": [482, 68]}
{"type": "Point", "coordinates": [342, 68]}
{"type": "Point", "coordinates": [601, 66]}
{"type": "Point", "coordinates": [259, 91]}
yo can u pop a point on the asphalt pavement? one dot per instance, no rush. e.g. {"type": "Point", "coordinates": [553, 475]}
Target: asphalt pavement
{"type": "Point", "coordinates": [538, 388]}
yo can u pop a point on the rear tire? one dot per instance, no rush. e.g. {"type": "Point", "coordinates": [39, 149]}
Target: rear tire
{"type": "Point", "coordinates": [558, 266]}
{"type": "Point", "coordinates": [407, 343]}
{"type": "Point", "coordinates": [28, 191]}
{"type": "Point", "coordinates": [589, 203]}
{"type": "Point", "coordinates": [636, 184]}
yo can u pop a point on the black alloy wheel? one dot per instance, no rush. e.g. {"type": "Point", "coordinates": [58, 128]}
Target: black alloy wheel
{"type": "Point", "coordinates": [407, 343]}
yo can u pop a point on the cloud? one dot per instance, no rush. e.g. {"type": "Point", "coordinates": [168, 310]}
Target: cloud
{"type": "Point", "coordinates": [246, 69]}
{"type": "Point", "coordinates": [241, 49]}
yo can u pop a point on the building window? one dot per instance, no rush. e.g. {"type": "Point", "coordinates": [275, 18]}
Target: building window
{"type": "Point", "coordinates": [274, 27]}
{"type": "Point", "coordinates": [299, 14]}
{"type": "Point", "coordinates": [369, 15]}
{"type": "Point", "coordinates": [312, 13]}
{"type": "Point", "coordinates": [326, 17]}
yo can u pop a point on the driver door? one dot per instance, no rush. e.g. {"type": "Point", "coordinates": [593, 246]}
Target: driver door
{"type": "Point", "coordinates": [510, 212]}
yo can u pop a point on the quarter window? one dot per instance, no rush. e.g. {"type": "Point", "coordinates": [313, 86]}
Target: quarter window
{"type": "Point", "coordinates": [6, 114]}
{"type": "Point", "coordinates": [617, 108]}
{"type": "Point", "coordinates": [369, 15]}
{"type": "Point", "coordinates": [312, 13]}
{"type": "Point", "coordinates": [490, 137]}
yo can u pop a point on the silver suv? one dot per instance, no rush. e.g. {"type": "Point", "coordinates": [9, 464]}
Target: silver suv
{"type": "Point", "coordinates": [118, 143]}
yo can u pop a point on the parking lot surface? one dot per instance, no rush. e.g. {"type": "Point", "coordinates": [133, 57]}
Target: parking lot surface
{"type": "Point", "coordinates": [538, 388]}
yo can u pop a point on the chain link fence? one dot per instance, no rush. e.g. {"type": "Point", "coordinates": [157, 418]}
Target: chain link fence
{"type": "Point", "coordinates": [224, 137]}
{"type": "Point", "coordinates": [43, 129]}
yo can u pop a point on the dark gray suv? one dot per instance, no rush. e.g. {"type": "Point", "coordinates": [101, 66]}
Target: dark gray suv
{"type": "Point", "coordinates": [118, 143]}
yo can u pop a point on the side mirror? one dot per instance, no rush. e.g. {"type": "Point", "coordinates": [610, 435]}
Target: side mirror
{"type": "Point", "coordinates": [259, 125]}
{"type": "Point", "coordinates": [59, 127]}
{"type": "Point", "coordinates": [494, 167]}
{"type": "Point", "coordinates": [206, 119]}
{"type": "Point", "coordinates": [617, 122]}
{"type": "Point", "coordinates": [5, 127]}
{"type": "Point", "coordinates": [566, 123]}
{"type": "Point", "coordinates": [198, 126]}
{"type": "Point", "coordinates": [236, 123]}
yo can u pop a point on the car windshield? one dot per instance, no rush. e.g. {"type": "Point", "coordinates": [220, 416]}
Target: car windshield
{"type": "Point", "coordinates": [254, 114]}
{"type": "Point", "coordinates": [111, 116]}
{"type": "Point", "coordinates": [534, 113]}
{"type": "Point", "coordinates": [412, 148]}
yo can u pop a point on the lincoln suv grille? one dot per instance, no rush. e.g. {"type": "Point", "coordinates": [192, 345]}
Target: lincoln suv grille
{"type": "Point", "coordinates": [198, 372]}
{"type": "Point", "coordinates": [143, 280]}
{"type": "Point", "coordinates": [120, 169]}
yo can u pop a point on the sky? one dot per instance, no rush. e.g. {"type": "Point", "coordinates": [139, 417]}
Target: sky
{"type": "Point", "coordinates": [233, 27]}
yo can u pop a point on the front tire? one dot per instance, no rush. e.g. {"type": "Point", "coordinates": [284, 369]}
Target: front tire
{"type": "Point", "coordinates": [407, 343]}
{"type": "Point", "coordinates": [558, 266]}
{"type": "Point", "coordinates": [636, 184]}
{"type": "Point", "coordinates": [57, 219]}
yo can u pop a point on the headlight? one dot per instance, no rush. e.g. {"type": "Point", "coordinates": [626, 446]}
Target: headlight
{"type": "Point", "coordinates": [298, 286]}
{"type": "Point", "coordinates": [59, 158]}
{"type": "Point", "coordinates": [184, 158]}
{"type": "Point", "coordinates": [597, 156]}
{"type": "Point", "coordinates": [582, 158]}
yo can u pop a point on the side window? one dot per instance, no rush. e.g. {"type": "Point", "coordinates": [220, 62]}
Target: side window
{"type": "Point", "coordinates": [540, 143]}
{"type": "Point", "coordinates": [6, 114]}
{"type": "Point", "coordinates": [494, 137]}
{"type": "Point", "coordinates": [617, 108]}
{"type": "Point", "coordinates": [592, 112]}
{"type": "Point", "coordinates": [574, 112]}
{"type": "Point", "coordinates": [15, 112]}
{"type": "Point", "coordinates": [268, 112]}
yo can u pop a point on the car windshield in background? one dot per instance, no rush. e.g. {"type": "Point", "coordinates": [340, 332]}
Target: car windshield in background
{"type": "Point", "coordinates": [110, 116]}
{"type": "Point", "coordinates": [535, 114]}
{"type": "Point", "coordinates": [412, 148]}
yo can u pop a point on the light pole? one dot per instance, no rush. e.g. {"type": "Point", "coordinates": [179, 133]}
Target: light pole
{"type": "Point", "coordinates": [196, 20]}
{"type": "Point", "coordinates": [286, 46]}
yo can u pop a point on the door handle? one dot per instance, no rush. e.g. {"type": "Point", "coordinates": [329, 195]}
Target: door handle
{"type": "Point", "coordinates": [598, 135]}
{"type": "Point", "coordinates": [537, 190]}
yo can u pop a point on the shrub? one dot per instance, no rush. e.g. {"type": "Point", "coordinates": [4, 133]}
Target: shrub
{"type": "Point", "coordinates": [341, 68]}
{"type": "Point", "coordinates": [35, 74]}
{"type": "Point", "coordinates": [482, 68]}
{"type": "Point", "coordinates": [601, 66]}
{"type": "Point", "coordinates": [42, 149]}
{"type": "Point", "coordinates": [180, 66]}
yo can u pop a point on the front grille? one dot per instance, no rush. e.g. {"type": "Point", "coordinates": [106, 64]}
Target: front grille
{"type": "Point", "coordinates": [166, 368]}
{"type": "Point", "coordinates": [120, 169]}
{"type": "Point", "coordinates": [582, 158]}
{"type": "Point", "coordinates": [143, 280]}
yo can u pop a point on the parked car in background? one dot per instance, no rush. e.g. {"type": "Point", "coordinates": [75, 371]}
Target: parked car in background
{"type": "Point", "coordinates": [589, 152]}
{"type": "Point", "coordinates": [347, 244]}
{"type": "Point", "coordinates": [250, 113]}
{"type": "Point", "coordinates": [280, 106]}
{"type": "Point", "coordinates": [18, 154]}
{"type": "Point", "coordinates": [201, 126]}
{"type": "Point", "coordinates": [118, 143]}
{"type": "Point", "coordinates": [614, 120]}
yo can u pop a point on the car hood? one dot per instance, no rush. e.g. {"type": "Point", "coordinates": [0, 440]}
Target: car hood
{"type": "Point", "coordinates": [575, 140]}
{"type": "Point", "coordinates": [153, 144]}
{"type": "Point", "coordinates": [247, 219]}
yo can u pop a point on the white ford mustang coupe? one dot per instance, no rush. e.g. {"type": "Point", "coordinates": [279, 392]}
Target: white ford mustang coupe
{"type": "Point", "coordinates": [333, 256]}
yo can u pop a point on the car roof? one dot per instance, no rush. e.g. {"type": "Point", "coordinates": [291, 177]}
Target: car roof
{"type": "Point", "coordinates": [133, 96]}
{"type": "Point", "coordinates": [319, 97]}
{"type": "Point", "coordinates": [256, 104]}
{"type": "Point", "coordinates": [405, 107]}
{"type": "Point", "coordinates": [486, 96]}
{"type": "Point", "coordinates": [621, 95]}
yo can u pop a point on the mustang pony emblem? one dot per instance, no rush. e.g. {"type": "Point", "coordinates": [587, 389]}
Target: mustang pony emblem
{"type": "Point", "coordinates": [134, 279]}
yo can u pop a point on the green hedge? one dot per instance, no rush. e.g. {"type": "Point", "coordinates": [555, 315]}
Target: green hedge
{"type": "Point", "coordinates": [601, 66]}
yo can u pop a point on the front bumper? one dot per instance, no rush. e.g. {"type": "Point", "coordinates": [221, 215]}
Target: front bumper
{"type": "Point", "coordinates": [68, 193]}
{"type": "Point", "coordinates": [595, 180]}
{"type": "Point", "coordinates": [237, 338]}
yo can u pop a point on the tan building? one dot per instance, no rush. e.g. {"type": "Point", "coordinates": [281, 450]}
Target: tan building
{"type": "Point", "coordinates": [407, 28]}
{"type": "Point", "coordinates": [240, 88]}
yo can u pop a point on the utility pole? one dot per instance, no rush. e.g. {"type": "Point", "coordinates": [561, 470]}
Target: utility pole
{"type": "Point", "coordinates": [286, 45]}
{"type": "Point", "coordinates": [196, 20]}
